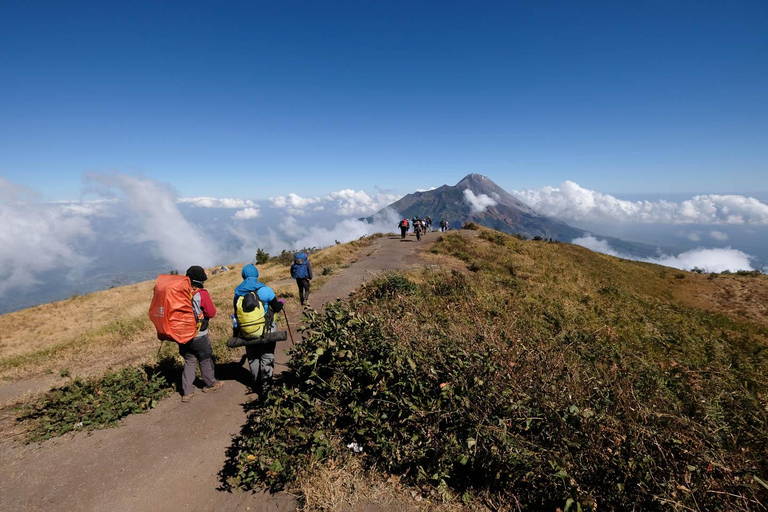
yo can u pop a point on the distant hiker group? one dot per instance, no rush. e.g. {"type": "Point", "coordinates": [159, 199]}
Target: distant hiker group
{"type": "Point", "coordinates": [181, 309]}
{"type": "Point", "coordinates": [420, 226]}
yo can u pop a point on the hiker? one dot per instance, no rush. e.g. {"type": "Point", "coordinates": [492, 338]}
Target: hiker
{"type": "Point", "coordinates": [418, 228]}
{"type": "Point", "coordinates": [403, 228]}
{"type": "Point", "coordinates": [199, 350]}
{"type": "Point", "coordinates": [428, 224]}
{"type": "Point", "coordinates": [261, 357]}
{"type": "Point", "coordinates": [301, 271]}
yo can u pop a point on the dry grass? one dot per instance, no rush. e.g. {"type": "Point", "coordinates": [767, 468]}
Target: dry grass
{"type": "Point", "coordinates": [344, 486]}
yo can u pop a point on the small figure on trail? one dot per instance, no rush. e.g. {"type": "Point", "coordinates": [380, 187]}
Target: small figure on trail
{"type": "Point", "coordinates": [255, 305]}
{"type": "Point", "coordinates": [443, 225]}
{"type": "Point", "coordinates": [418, 228]}
{"type": "Point", "coordinates": [301, 271]}
{"type": "Point", "coordinates": [403, 225]}
{"type": "Point", "coordinates": [199, 351]}
{"type": "Point", "coordinates": [428, 224]}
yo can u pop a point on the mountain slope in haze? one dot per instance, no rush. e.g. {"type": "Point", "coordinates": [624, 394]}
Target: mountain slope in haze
{"type": "Point", "coordinates": [504, 213]}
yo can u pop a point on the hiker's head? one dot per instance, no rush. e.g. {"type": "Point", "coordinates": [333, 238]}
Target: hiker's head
{"type": "Point", "coordinates": [197, 275]}
{"type": "Point", "coordinates": [250, 271]}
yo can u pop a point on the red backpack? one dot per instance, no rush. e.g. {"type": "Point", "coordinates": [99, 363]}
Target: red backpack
{"type": "Point", "coordinates": [171, 309]}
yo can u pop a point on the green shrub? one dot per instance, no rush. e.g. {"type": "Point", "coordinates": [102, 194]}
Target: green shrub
{"type": "Point", "coordinates": [261, 257]}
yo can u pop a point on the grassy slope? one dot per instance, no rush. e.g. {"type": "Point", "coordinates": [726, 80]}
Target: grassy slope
{"type": "Point", "coordinates": [592, 379]}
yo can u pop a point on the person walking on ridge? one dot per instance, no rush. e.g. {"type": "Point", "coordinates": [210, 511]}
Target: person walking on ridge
{"type": "Point", "coordinates": [261, 357]}
{"type": "Point", "coordinates": [199, 350]}
{"type": "Point", "coordinates": [403, 225]}
{"type": "Point", "coordinates": [301, 271]}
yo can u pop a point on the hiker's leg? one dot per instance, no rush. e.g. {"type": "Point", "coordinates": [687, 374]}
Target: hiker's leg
{"type": "Point", "coordinates": [253, 354]}
{"type": "Point", "coordinates": [301, 291]}
{"type": "Point", "coordinates": [188, 374]}
{"type": "Point", "coordinates": [201, 347]}
{"type": "Point", "coordinates": [306, 293]}
{"type": "Point", "coordinates": [267, 370]}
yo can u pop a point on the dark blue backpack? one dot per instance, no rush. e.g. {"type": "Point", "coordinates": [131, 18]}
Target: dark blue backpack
{"type": "Point", "coordinates": [300, 267]}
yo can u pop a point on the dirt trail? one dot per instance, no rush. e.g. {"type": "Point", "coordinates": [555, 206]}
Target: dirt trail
{"type": "Point", "coordinates": [169, 458]}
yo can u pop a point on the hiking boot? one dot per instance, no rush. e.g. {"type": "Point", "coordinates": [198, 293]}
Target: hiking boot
{"type": "Point", "coordinates": [187, 398]}
{"type": "Point", "coordinates": [214, 388]}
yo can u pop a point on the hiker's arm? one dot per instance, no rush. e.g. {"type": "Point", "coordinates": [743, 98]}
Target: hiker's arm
{"type": "Point", "coordinates": [209, 310]}
{"type": "Point", "coordinates": [275, 305]}
{"type": "Point", "coordinates": [309, 268]}
{"type": "Point", "coordinates": [266, 294]}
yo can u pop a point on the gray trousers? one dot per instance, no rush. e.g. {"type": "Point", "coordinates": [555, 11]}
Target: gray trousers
{"type": "Point", "coordinates": [197, 351]}
{"type": "Point", "coordinates": [261, 361]}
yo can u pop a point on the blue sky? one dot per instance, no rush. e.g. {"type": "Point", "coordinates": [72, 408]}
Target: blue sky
{"type": "Point", "coordinates": [258, 99]}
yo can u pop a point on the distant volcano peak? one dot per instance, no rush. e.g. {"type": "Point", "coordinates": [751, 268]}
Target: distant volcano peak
{"type": "Point", "coordinates": [474, 179]}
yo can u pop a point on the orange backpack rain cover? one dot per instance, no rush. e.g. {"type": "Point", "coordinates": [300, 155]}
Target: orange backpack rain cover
{"type": "Point", "coordinates": [171, 309]}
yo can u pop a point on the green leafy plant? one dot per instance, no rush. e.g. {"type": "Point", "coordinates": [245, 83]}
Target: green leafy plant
{"type": "Point", "coordinates": [261, 256]}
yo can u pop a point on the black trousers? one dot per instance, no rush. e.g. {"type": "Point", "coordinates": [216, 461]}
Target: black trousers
{"type": "Point", "coordinates": [303, 285]}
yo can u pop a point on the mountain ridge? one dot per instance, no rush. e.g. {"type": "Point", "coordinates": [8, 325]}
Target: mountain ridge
{"type": "Point", "coordinates": [495, 208]}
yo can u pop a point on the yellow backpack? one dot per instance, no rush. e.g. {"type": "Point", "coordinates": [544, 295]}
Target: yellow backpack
{"type": "Point", "coordinates": [252, 316]}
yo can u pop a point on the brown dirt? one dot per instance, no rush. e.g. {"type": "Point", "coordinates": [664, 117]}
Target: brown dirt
{"type": "Point", "coordinates": [170, 457]}
{"type": "Point", "coordinates": [740, 297]}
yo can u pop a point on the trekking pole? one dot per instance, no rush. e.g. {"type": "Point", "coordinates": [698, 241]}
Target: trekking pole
{"type": "Point", "coordinates": [288, 325]}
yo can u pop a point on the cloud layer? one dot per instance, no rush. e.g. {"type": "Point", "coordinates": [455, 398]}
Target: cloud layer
{"type": "Point", "coordinates": [160, 221]}
{"type": "Point", "coordinates": [570, 202]}
{"type": "Point", "coordinates": [345, 203]}
{"type": "Point", "coordinates": [711, 260]}
{"type": "Point", "coordinates": [212, 202]}
{"type": "Point", "coordinates": [37, 238]}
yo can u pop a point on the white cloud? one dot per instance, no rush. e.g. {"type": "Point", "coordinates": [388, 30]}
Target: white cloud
{"type": "Point", "coordinates": [35, 238]}
{"type": "Point", "coordinates": [212, 202]}
{"type": "Point", "coordinates": [162, 224]}
{"type": "Point", "coordinates": [596, 245]}
{"type": "Point", "coordinates": [478, 203]}
{"type": "Point", "coordinates": [356, 202]}
{"type": "Point", "coordinates": [718, 235]}
{"type": "Point", "coordinates": [247, 213]}
{"type": "Point", "coordinates": [575, 203]}
{"type": "Point", "coordinates": [711, 260]}
{"type": "Point", "coordinates": [425, 189]}
{"type": "Point", "coordinates": [345, 202]}
{"type": "Point", "coordinates": [694, 237]}
{"type": "Point", "coordinates": [294, 204]}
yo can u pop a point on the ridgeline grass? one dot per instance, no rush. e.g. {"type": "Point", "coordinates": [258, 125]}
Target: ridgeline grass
{"type": "Point", "coordinates": [544, 376]}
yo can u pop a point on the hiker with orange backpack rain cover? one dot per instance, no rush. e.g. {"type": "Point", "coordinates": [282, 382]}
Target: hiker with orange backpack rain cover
{"type": "Point", "coordinates": [403, 228]}
{"type": "Point", "coordinates": [199, 350]}
{"type": "Point", "coordinates": [180, 310]}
